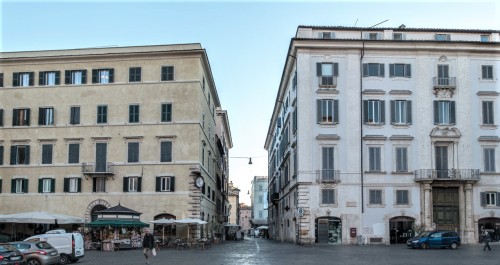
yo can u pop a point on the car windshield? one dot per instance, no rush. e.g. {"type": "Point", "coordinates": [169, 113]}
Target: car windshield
{"type": "Point", "coordinates": [7, 248]}
{"type": "Point", "coordinates": [425, 234]}
{"type": "Point", "coordinates": [21, 246]}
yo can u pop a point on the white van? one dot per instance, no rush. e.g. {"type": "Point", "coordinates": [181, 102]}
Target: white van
{"type": "Point", "coordinates": [69, 245]}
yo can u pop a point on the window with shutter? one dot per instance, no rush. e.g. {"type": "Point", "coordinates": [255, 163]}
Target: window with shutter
{"type": "Point", "coordinates": [166, 151]}
{"type": "Point", "coordinates": [1, 117]}
{"type": "Point", "coordinates": [488, 113]}
{"type": "Point", "coordinates": [74, 117]}
{"type": "Point", "coordinates": [166, 112]}
{"type": "Point", "coordinates": [47, 153]}
{"type": "Point", "coordinates": [1, 155]}
{"type": "Point", "coordinates": [133, 152]}
{"type": "Point", "coordinates": [73, 153]}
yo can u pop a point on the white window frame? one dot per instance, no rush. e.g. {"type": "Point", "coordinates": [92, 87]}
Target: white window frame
{"type": "Point", "coordinates": [373, 167]}
{"type": "Point", "coordinates": [76, 77]}
{"type": "Point", "coordinates": [491, 198]}
{"type": "Point", "coordinates": [489, 162]}
{"type": "Point", "coordinates": [487, 72]}
{"type": "Point", "coordinates": [400, 112]}
{"type": "Point", "coordinates": [47, 115]}
{"type": "Point", "coordinates": [489, 110]}
{"type": "Point", "coordinates": [103, 76]}
{"type": "Point", "coordinates": [166, 183]}
{"type": "Point", "coordinates": [375, 111]}
{"type": "Point", "coordinates": [73, 185]}
{"type": "Point", "coordinates": [396, 196]}
{"type": "Point", "coordinates": [444, 112]}
{"type": "Point", "coordinates": [46, 185]}
{"type": "Point", "coordinates": [370, 202]}
{"type": "Point", "coordinates": [404, 161]}
{"type": "Point", "coordinates": [100, 184]}
{"type": "Point", "coordinates": [19, 185]}
{"type": "Point", "coordinates": [334, 197]}
{"type": "Point", "coordinates": [327, 111]}
{"type": "Point", "coordinates": [133, 184]}
{"type": "Point", "coordinates": [24, 79]}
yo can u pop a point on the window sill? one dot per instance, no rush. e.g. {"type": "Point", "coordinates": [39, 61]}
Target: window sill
{"type": "Point", "coordinates": [401, 125]}
{"type": "Point", "coordinates": [334, 205]}
{"type": "Point", "coordinates": [401, 173]}
{"type": "Point", "coordinates": [409, 205]}
{"type": "Point", "coordinates": [488, 126]}
{"type": "Point", "coordinates": [375, 172]}
{"type": "Point", "coordinates": [324, 90]}
{"type": "Point", "coordinates": [375, 205]}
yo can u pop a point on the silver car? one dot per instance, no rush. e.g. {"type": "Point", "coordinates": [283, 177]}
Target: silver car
{"type": "Point", "coordinates": [38, 253]}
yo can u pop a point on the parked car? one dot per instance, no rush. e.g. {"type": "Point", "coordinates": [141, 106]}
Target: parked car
{"type": "Point", "coordinates": [69, 245]}
{"type": "Point", "coordinates": [10, 255]}
{"type": "Point", "coordinates": [37, 253]}
{"type": "Point", "coordinates": [435, 239]}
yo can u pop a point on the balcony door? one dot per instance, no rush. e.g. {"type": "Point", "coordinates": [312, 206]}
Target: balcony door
{"type": "Point", "coordinates": [100, 157]}
{"type": "Point", "coordinates": [441, 161]}
{"type": "Point", "coordinates": [443, 75]}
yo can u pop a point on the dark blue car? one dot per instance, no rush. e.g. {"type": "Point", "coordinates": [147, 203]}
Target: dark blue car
{"type": "Point", "coordinates": [435, 239]}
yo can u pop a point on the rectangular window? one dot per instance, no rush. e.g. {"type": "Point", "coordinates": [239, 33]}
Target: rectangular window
{"type": "Point", "coordinates": [1, 79]}
{"type": "Point", "coordinates": [374, 111]}
{"type": "Point", "coordinates": [133, 113]}
{"type": "Point", "coordinates": [401, 159]}
{"type": "Point", "coordinates": [487, 72]}
{"type": "Point", "coordinates": [491, 198]}
{"type": "Point", "coordinates": [375, 159]}
{"type": "Point", "coordinates": [164, 184]}
{"type": "Point", "coordinates": [444, 112]}
{"type": "Point", "coordinates": [167, 73]}
{"type": "Point", "coordinates": [133, 152]}
{"type": "Point", "coordinates": [103, 76]}
{"type": "Point", "coordinates": [46, 185]}
{"type": "Point", "coordinates": [488, 113]}
{"type": "Point", "coordinates": [400, 70]}
{"type": "Point", "coordinates": [328, 111]}
{"type": "Point", "coordinates": [73, 153]}
{"type": "Point", "coordinates": [166, 112]}
{"type": "Point", "coordinates": [1, 117]}
{"type": "Point", "coordinates": [45, 116]}
{"type": "Point", "coordinates": [74, 115]}
{"type": "Point", "coordinates": [372, 36]}
{"type": "Point", "coordinates": [72, 185]}
{"type": "Point", "coordinates": [134, 74]}
{"type": "Point", "coordinates": [485, 38]}
{"type": "Point", "coordinates": [402, 197]}
{"type": "Point", "coordinates": [261, 199]}
{"type": "Point", "coordinates": [48, 78]}
{"type": "Point", "coordinates": [132, 184]}
{"type": "Point", "coordinates": [166, 151]}
{"type": "Point", "coordinates": [99, 184]}
{"type": "Point", "coordinates": [261, 214]}
{"type": "Point", "coordinates": [21, 117]}
{"type": "Point", "coordinates": [489, 160]}
{"type": "Point", "coordinates": [75, 77]}
{"type": "Point", "coordinates": [20, 155]}
{"type": "Point", "coordinates": [328, 196]}
{"type": "Point", "coordinates": [401, 112]}
{"type": "Point", "coordinates": [23, 79]}
{"type": "Point", "coordinates": [375, 196]}
{"type": "Point", "coordinates": [47, 150]}
{"type": "Point", "coordinates": [327, 164]}
{"type": "Point", "coordinates": [102, 114]}
{"type": "Point", "coordinates": [327, 35]}
{"type": "Point", "coordinates": [19, 186]}
{"type": "Point", "coordinates": [397, 36]}
{"type": "Point", "coordinates": [443, 37]}
{"type": "Point", "coordinates": [327, 73]}
{"type": "Point", "coordinates": [373, 69]}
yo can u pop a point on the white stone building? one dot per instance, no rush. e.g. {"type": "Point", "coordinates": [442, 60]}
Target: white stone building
{"type": "Point", "coordinates": [82, 130]}
{"type": "Point", "coordinates": [378, 132]}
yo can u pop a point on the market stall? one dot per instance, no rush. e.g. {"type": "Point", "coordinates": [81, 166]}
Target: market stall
{"type": "Point", "coordinates": [115, 228]}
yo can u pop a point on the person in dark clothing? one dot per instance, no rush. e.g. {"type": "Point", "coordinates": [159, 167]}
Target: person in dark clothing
{"type": "Point", "coordinates": [148, 243]}
{"type": "Point", "coordinates": [487, 240]}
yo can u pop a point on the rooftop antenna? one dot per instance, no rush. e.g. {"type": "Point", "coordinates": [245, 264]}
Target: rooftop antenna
{"type": "Point", "coordinates": [356, 22]}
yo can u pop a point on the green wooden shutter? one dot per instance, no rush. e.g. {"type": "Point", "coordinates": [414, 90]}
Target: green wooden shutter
{"type": "Point", "coordinates": [13, 155]}
{"type": "Point", "coordinates": [40, 185]}
{"type": "Point", "coordinates": [41, 78]}
{"type": "Point", "coordinates": [158, 184]}
{"type": "Point", "coordinates": [318, 69]}
{"type": "Point", "coordinates": [1, 154]}
{"type": "Point", "coordinates": [436, 112]}
{"type": "Point", "coordinates": [365, 69]}
{"type": "Point", "coordinates": [0, 185]}
{"type": "Point", "coordinates": [41, 116]}
{"type": "Point", "coordinates": [66, 184]}
{"type": "Point", "coordinates": [408, 112]}
{"type": "Point", "coordinates": [452, 113]}
{"type": "Point", "coordinates": [15, 117]}
{"type": "Point", "coordinates": [391, 70]}
{"type": "Point", "coordinates": [365, 111]}
{"type": "Point", "coordinates": [58, 78]}
{"type": "Point", "coordinates": [28, 114]}
{"type": "Point", "coordinates": [32, 77]}
{"type": "Point", "coordinates": [79, 189]}
{"type": "Point", "coordinates": [139, 184]}
{"type": "Point", "coordinates": [67, 77]}
{"type": "Point", "coordinates": [94, 184]}
{"type": "Point", "coordinates": [111, 75]}
{"type": "Point", "coordinates": [483, 198]}
{"type": "Point", "coordinates": [382, 111]}
{"type": "Point", "coordinates": [13, 186]}
{"type": "Point", "coordinates": [84, 76]}
{"type": "Point", "coordinates": [1, 117]}
{"type": "Point", "coordinates": [53, 185]}
{"type": "Point", "coordinates": [408, 70]}
{"type": "Point", "coordinates": [125, 184]}
{"type": "Point", "coordinates": [25, 185]}
{"type": "Point", "coordinates": [95, 76]}
{"type": "Point", "coordinates": [15, 79]}
{"type": "Point", "coordinates": [498, 196]}
{"type": "Point", "coordinates": [336, 111]}
{"type": "Point", "coordinates": [393, 110]}
{"type": "Point", "coordinates": [172, 183]}
{"type": "Point", "coordinates": [319, 117]}
{"type": "Point", "coordinates": [335, 69]}
{"type": "Point", "coordinates": [381, 70]}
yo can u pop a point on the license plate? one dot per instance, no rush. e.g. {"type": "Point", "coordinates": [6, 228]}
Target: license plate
{"type": "Point", "coordinates": [53, 253]}
{"type": "Point", "coordinates": [78, 253]}
{"type": "Point", "coordinates": [15, 258]}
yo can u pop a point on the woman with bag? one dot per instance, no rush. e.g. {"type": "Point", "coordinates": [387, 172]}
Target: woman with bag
{"type": "Point", "coordinates": [148, 245]}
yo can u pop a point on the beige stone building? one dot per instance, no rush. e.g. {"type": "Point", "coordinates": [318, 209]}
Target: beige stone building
{"type": "Point", "coordinates": [86, 129]}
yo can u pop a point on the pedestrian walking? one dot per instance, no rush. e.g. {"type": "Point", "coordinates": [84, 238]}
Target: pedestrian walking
{"type": "Point", "coordinates": [487, 239]}
{"type": "Point", "coordinates": [148, 244]}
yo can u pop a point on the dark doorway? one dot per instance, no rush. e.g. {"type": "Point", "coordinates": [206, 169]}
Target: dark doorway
{"type": "Point", "coordinates": [401, 229]}
{"type": "Point", "coordinates": [329, 230]}
{"type": "Point", "coordinates": [492, 225]}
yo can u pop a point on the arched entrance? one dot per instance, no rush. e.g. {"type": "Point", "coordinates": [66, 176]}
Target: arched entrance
{"type": "Point", "coordinates": [164, 230]}
{"type": "Point", "coordinates": [492, 225]}
{"type": "Point", "coordinates": [401, 229]}
{"type": "Point", "coordinates": [328, 230]}
{"type": "Point", "coordinates": [93, 207]}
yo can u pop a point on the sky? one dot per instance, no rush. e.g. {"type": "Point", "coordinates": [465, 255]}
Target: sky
{"type": "Point", "coordinates": [246, 43]}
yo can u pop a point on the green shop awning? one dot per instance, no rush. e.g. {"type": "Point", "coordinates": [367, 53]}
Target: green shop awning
{"type": "Point", "coordinates": [117, 223]}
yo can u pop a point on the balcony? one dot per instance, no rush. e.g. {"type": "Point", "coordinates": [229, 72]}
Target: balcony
{"type": "Point", "coordinates": [444, 84]}
{"type": "Point", "coordinates": [327, 81]}
{"type": "Point", "coordinates": [458, 175]}
{"type": "Point", "coordinates": [329, 176]}
{"type": "Point", "coordinates": [98, 168]}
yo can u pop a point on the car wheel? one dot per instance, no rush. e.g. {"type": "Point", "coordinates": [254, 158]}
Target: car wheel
{"type": "Point", "coordinates": [64, 259]}
{"type": "Point", "coordinates": [424, 246]}
{"type": "Point", "coordinates": [33, 262]}
{"type": "Point", "coordinates": [454, 245]}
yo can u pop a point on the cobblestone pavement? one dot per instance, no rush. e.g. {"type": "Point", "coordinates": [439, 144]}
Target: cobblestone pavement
{"type": "Point", "coordinates": [268, 252]}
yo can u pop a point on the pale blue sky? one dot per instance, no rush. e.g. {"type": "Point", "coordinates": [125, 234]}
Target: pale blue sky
{"type": "Point", "coordinates": [246, 42]}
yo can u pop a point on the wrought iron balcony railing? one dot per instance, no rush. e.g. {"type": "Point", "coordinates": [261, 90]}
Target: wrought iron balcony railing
{"type": "Point", "coordinates": [329, 175]}
{"type": "Point", "coordinates": [447, 175]}
{"type": "Point", "coordinates": [98, 168]}
{"type": "Point", "coordinates": [444, 82]}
